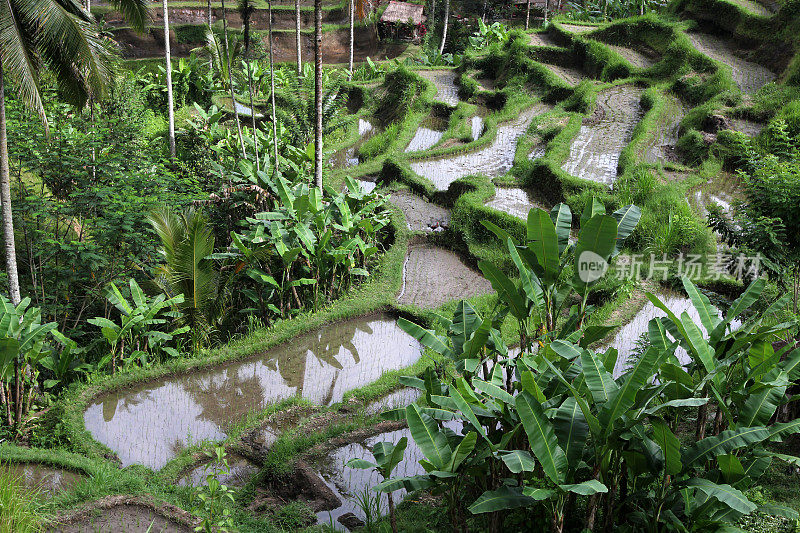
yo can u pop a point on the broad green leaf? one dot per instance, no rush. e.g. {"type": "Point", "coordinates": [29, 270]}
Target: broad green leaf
{"type": "Point", "coordinates": [731, 468]}
{"type": "Point", "coordinates": [707, 312]}
{"type": "Point", "coordinates": [726, 494]}
{"type": "Point", "coordinates": [506, 290]}
{"type": "Point", "coordinates": [624, 398]}
{"type": "Point", "coordinates": [497, 500]}
{"type": "Point", "coordinates": [595, 245]}
{"type": "Point", "coordinates": [543, 242]}
{"type": "Point", "coordinates": [410, 484]}
{"type": "Point", "coordinates": [670, 446]}
{"type": "Point", "coordinates": [426, 337]}
{"type": "Point", "coordinates": [748, 298]}
{"type": "Point", "coordinates": [723, 443]}
{"type": "Point", "coordinates": [571, 429]}
{"type": "Point", "coordinates": [518, 461]}
{"type": "Point", "coordinates": [587, 488]}
{"type": "Point", "coordinates": [465, 408]}
{"type": "Point", "coordinates": [431, 441]}
{"type": "Point", "coordinates": [541, 437]}
{"type": "Point", "coordinates": [627, 218]}
{"type": "Point", "coordinates": [360, 463]}
{"type": "Point", "coordinates": [594, 207]}
{"type": "Point", "coordinates": [561, 215]}
{"type": "Point", "coordinates": [462, 451]}
{"type": "Point", "coordinates": [600, 382]}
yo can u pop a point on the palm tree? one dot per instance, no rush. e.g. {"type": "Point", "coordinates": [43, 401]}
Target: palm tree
{"type": "Point", "coordinates": [318, 93]}
{"type": "Point", "coordinates": [444, 30]}
{"type": "Point", "coordinates": [57, 34]}
{"type": "Point", "coordinates": [230, 80]}
{"type": "Point", "coordinates": [297, 36]}
{"type": "Point", "coordinates": [246, 11]}
{"type": "Point", "coordinates": [352, 38]}
{"type": "Point", "coordinates": [187, 242]}
{"type": "Point", "coordinates": [527, 14]}
{"type": "Point", "coordinates": [170, 104]}
{"type": "Point", "coordinates": [272, 90]}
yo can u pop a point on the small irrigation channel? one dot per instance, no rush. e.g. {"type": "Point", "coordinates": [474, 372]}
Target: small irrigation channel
{"type": "Point", "coordinates": [151, 423]}
{"type": "Point", "coordinates": [749, 76]}
{"type": "Point", "coordinates": [595, 151]}
{"type": "Point", "coordinates": [493, 160]}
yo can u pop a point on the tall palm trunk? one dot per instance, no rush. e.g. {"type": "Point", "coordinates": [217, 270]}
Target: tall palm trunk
{"type": "Point", "coordinates": [230, 78]}
{"type": "Point", "coordinates": [444, 30]}
{"type": "Point", "coordinates": [352, 37]}
{"type": "Point", "coordinates": [8, 235]}
{"type": "Point", "coordinates": [170, 105]}
{"type": "Point", "coordinates": [272, 90]}
{"type": "Point", "coordinates": [297, 37]}
{"type": "Point", "coordinates": [208, 22]}
{"type": "Point", "coordinates": [246, 13]}
{"type": "Point", "coordinates": [318, 93]}
{"type": "Point", "coordinates": [546, 10]}
{"type": "Point", "coordinates": [528, 14]}
{"type": "Point", "coordinates": [5, 199]}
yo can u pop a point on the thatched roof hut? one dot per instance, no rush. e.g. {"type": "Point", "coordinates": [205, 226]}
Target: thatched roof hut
{"type": "Point", "coordinates": [403, 12]}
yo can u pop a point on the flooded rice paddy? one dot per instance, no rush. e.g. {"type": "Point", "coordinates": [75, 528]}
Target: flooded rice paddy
{"type": "Point", "coordinates": [433, 276]}
{"type": "Point", "coordinates": [476, 125]}
{"type": "Point", "coordinates": [573, 76]}
{"type": "Point", "coordinates": [445, 82]}
{"type": "Point", "coordinates": [724, 190]}
{"type": "Point", "coordinates": [749, 76]}
{"type": "Point", "coordinates": [427, 135]}
{"type": "Point", "coordinates": [44, 478]}
{"type": "Point", "coordinates": [634, 57]}
{"type": "Point", "coordinates": [241, 470]}
{"type": "Point", "coordinates": [514, 201]}
{"type": "Point", "coordinates": [123, 519]}
{"type": "Point", "coordinates": [595, 151]}
{"type": "Point", "coordinates": [493, 160]}
{"type": "Point", "coordinates": [151, 423]}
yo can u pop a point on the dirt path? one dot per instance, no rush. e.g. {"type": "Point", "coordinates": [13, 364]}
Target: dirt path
{"type": "Point", "coordinates": [577, 28]}
{"type": "Point", "coordinates": [541, 39]}
{"type": "Point", "coordinates": [749, 76]}
{"type": "Point", "coordinates": [595, 151]}
{"type": "Point", "coordinates": [445, 82]}
{"type": "Point", "coordinates": [754, 7]}
{"type": "Point", "coordinates": [433, 276]}
{"type": "Point", "coordinates": [493, 160]}
{"type": "Point", "coordinates": [573, 76]}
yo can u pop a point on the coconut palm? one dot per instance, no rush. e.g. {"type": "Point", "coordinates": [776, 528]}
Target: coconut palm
{"type": "Point", "coordinates": [297, 36]}
{"type": "Point", "coordinates": [170, 103]}
{"type": "Point", "coordinates": [230, 80]}
{"type": "Point", "coordinates": [318, 93]}
{"type": "Point", "coordinates": [351, 10]}
{"type": "Point", "coordinates": [187, 242]}
{"type": "Point", "coordinates": [272, 89]}
{"type": "Point", "coordinates": [444, 30]}
{"type": "Point", "coordinates": [246, 9]}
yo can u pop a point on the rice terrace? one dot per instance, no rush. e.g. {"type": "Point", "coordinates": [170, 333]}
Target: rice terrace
{"type": "Point", "coordinates": [385, 266]}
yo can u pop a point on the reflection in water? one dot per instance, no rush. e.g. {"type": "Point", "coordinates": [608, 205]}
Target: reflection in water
{"type": "Point", "coordinates": [429, 133]}
{"type": "Point", "coordinates": [150, 424]}
{"type": "Point", "coordinates": [445, 82]}
{"type": "Point", "coordinates": [494, 160]}
{"type": "Point", "coordinates": [241, 470]}
{"type": "Point", "coordinates": [349, 483]}
{"type": "Point", "coordinates": [46, 479]}
{"type": "Point", "coordinates": [347, 157]}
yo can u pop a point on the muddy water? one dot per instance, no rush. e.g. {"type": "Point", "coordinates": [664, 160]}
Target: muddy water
{"type": "Point", "coordinates": [749, 76]}
{"type": "Point", "coordinates": [433, 276]}
{"type": "Point", "coordinates": [124, 519]}
{"type": "Point", "coordinates": [420, 214]}
{"type": "Point", "coordinates": [241, 470]}
{"type": "Point", "coordinates": [595, 151]}
{"type": "Point", "coordinates": [626, 338]}
{"type": "Point", "coordinates": [349, 483]}
{"type": "Point", "coordinates": [445, 82]}
{"type": "Point", "coordinates": [347, 157]}
{"type": "Point", "coordinates": [428, 134]}
{"type": "Point", "coordinates": [514, 201]}
{"type": "Point", "coordinates": [493, 160]}
{"type": "Point", "coordinates": [43, 478]}
{"type": "Point", "coordinates": [151, 423]}
{"type": "Point", "coordinates": [724, 191]}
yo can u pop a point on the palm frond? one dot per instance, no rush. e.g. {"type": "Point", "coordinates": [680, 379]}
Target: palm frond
{"type": "Point", "coordinates": [16, 47]}
{"type": "Point", "coordinates": [136, 12]}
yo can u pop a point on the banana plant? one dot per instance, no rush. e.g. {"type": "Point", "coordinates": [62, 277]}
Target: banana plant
{"type": "Point", "coordinates": [537, 300]}
{"type": "Point", "coordinates": [22, 347]}
{"type": "Point", "coordinates": [142, 330]}
{"type": "Point", "coordinates": [387, 457]}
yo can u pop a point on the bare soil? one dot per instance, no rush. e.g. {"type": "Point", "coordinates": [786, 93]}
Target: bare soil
{"type": "Point", "coordinates": [420, 214]}
{"type": "Point", "coordinates": [749, 76]}
{"type": "Point", "coordinates": [433, 276]}
{"type": "Point", "coordinates": [125, 514]}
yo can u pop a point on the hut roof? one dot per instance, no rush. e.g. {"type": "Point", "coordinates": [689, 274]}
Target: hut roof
{"type": "Point", "coordinates": [403, 12]}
